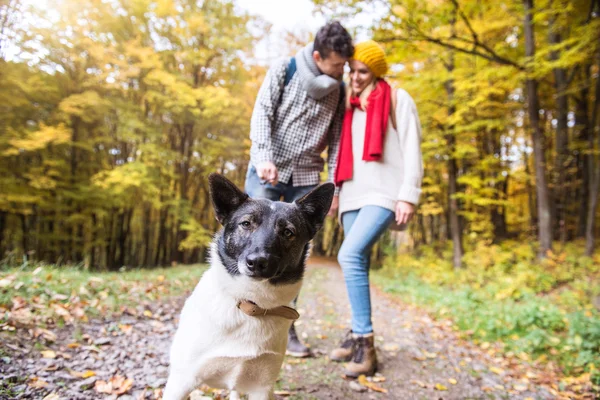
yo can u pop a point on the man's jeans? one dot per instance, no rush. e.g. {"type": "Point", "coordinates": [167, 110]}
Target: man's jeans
{"type": "Point", "coordinates": [256, 189]}
{"type": "Point", "coordinates": [362, 228]}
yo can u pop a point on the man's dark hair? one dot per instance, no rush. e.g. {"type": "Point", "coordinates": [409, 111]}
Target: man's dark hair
{"type": "Point", "coordinates": [334, 37]}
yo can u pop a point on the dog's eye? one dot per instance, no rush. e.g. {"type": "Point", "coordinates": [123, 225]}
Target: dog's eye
{"type": "Point", "coordinates": [288, 233]}
{"type": "Point", "coordinates": [245, 224]}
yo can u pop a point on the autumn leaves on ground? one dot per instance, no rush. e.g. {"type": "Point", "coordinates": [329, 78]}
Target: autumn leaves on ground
{"type": "Point", "coordinates": [68, 333]}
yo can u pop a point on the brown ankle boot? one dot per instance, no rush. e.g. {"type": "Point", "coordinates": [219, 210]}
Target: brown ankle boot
{"type": "Point", "coordinates": [345, 350]}
{"type": "Point", "coordinates": [364, 360]}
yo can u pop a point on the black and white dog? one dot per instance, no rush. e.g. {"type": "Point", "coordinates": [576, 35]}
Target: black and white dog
{"type": "Point", "coordinates": [232, 332]}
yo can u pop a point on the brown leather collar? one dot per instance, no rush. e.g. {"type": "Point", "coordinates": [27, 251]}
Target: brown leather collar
{"type": "Point", "coordinates": [250, 308]}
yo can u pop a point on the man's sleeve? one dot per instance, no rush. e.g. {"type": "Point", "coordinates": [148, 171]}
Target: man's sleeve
{"type": "Point", "coordinates": [263, 116]}
{"type": "Point", "coordinates": [335, 133]}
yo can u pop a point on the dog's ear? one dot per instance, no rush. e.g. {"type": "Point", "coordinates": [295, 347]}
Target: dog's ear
{"type": "Point", "coordinates": [316, 203]}
{"type": "Point", "coordinates": [225, 196]}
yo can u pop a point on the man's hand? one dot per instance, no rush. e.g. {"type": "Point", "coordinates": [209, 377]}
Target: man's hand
{"type": "Point", "coordinates": [267, 171]}
{"type": "Point", "coordinates": [404, 212]}
{"type": "Point", "coordinates": [335, 203]}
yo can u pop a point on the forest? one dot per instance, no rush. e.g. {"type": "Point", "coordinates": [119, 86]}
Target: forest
{"type": "Point", "coordinates": [113, 113]}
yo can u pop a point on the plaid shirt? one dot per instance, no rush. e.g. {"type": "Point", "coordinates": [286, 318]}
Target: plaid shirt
{"type": "Point", "coordinates": [291, 129]}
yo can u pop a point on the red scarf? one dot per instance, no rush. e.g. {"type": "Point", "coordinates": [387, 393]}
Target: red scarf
{"type": "Point", "coordinates": [378, 111]}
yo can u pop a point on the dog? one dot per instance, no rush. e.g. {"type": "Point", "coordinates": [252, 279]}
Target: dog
{"type": "Point", "coordinates": [232, 332]}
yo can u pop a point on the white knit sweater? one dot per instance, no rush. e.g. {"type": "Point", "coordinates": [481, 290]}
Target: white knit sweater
{"type": "Point", "coordinates": [398, 175]}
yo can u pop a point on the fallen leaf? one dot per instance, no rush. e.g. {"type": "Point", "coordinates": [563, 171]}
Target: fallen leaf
{"type": "Point", "coordinates": [378, 378]}
{"type": "Point", "coordinates": [126, 329]}
{"type": "Point", "coordinates": [283, 393]}
{"type": "Point", "coordinates": [48, 354]}
{"type": "Point", "coordinates": [520, 388]}
{"type": "Point", "coordinates": [45, 333]}
{"type": "Point", "coordinates": [84, 375]}
{"type": "Point", "coordinates": [363, 381]}
{"type": "Point", "coordinates": [148, 313]}
{"type": "Point", "coordinates": [73, 345]}
{"type": "Point", "coordinates": [496, 370]}
{"type": "Point", "coordinates": [439, 386]}
{"type": "Point", "coordinates": [420, 383]}
{"type": "Point", "coordinates": [103, 387]}
{"type": "Point", "coordinates": [125, 386]}
{"type": "Point", "coordinates": [18, 302]}
{"type": "Point", "coordinates": [391, 347]}
{"type": "Point", "coordinates": [37, 383]}
{"type": "Point", "coordinates": [430, 355]}
{"type": "Point", "coordinates": [52, 396]}
{"type": "Point", "coordinates": [452, 381]}
{"type": "Point", "coordinates": [4, 282]}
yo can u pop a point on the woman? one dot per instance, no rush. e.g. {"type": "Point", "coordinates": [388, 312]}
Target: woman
{"type": "Point", "coordinates": [380, 171]}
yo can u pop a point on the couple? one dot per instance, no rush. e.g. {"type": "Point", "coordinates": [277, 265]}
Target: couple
{"type": "Point", "coordinates": [372, 134]}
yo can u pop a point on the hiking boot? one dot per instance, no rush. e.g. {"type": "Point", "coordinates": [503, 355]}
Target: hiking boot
{"type": "Point", "coordinates": [295, 347]}
{"type": "Point", "coordinates": [345, 350]}
{"type": "Point", "coordinates": [364, 360]}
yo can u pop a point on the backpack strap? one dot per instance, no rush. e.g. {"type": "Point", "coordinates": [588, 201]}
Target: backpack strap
{"type": "Point", "coordinates": [290, 71]}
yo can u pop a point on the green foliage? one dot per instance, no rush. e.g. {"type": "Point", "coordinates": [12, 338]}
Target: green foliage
{"type": "Point", "coordinates": [543, 310]}
{"type": "Point", "coordinates": [65, 294]}
{"type": "Point", "coordinates": [108, 134]}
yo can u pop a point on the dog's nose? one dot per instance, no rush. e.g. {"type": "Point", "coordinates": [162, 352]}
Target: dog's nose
{"type": "Point", "coordinates": [257, 262]}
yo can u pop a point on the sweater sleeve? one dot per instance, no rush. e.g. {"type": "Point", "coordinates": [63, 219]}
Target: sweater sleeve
{"type": "Point", "coordinates": [409, 132]}
{"type": "Point", "coordinates": [334, 136]}
{"type": "Point", "coordinates": [263, 115]}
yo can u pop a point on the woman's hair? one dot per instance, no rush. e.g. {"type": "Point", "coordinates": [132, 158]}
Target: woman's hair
{"type": "Point", "coordinates": [333, 37]}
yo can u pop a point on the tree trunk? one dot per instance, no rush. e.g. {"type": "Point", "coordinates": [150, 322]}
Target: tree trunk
{"type": "Point", "coordinates": [561, 142]}
{"type": "Point", "coordinates": [582, 126]}
{"type": "Point", "coordinates": [543, 205]}
{"type": "Point", "coordinates": [147, 258]}
{"type": "Point", "coordinates": [24, 236]}
{"type": "Point", "coordinates": [594, 165]}
{"type": "Point", "coordinates": [3, 215]}
{"type": "Point", "coordinates": [453, 210]}
{"type": "Point", "coordinates": [93, 242]}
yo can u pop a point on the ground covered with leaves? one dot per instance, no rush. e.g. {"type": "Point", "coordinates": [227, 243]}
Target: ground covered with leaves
{"type": "Point", "coordinates": [69, 334]}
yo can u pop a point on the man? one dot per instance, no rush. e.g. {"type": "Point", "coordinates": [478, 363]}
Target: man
{"type": "Point", "coordinates": [298, 113]}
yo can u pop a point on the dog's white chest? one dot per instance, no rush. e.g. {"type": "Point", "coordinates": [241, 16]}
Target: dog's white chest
{"type": "Point", "coordinates": [229, 348]}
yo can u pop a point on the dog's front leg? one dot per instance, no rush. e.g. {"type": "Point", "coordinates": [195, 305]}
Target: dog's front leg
{"type": "Point", "coordinates": [179, 386]}
{"type": "Point", "coordinates": [266, 394]}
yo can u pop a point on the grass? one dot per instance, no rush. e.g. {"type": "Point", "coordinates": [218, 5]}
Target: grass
{"type": "Point", "coordinates": [59, 295]}
{"type": "Point", "coordinates": [539, 311]}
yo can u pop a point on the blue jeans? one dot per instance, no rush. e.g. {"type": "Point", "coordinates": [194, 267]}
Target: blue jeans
{"type": "Point", "coordinates": [362, 228]}
{"type": "Point", "coordinates": [257, 189]}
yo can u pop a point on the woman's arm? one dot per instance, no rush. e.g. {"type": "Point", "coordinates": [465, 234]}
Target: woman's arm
{"type": "Point", "coordinates": [409, 135]}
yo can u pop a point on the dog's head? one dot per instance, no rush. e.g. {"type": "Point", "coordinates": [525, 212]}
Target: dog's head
{"type": "Point", "coordinates": [263, 239]}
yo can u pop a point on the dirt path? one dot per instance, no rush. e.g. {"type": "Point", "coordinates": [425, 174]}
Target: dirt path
{"type": "Point", "coordinates": [415, 352]}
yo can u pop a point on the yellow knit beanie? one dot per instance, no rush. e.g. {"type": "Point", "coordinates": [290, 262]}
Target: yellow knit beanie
{"type": "Point", "coordinates": [372, 55]}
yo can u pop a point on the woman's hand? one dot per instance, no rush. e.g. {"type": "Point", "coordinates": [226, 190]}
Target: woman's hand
{"type": "Point", "coordinates": [335, 203]}
{"type": "Point", "coordinates": [404, 212]}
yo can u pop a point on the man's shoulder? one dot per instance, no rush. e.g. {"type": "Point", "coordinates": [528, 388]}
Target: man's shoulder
{"type": "Point", "coordinates": [280, 65]}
